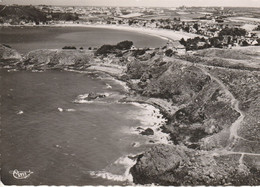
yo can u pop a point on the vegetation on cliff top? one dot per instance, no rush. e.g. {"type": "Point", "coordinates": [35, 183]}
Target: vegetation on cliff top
{"type": "Point", "coordinates": [69, 47]}
{"type": "Point", "coordinates": [106, 49]}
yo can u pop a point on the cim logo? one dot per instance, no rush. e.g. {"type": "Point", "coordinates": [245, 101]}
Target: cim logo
{"type": "Point", "coordinates": [21, 174]}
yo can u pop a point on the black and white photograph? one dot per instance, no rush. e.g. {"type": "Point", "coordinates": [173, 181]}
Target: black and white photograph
{"type": "Point", "coordinates": [130, 92]}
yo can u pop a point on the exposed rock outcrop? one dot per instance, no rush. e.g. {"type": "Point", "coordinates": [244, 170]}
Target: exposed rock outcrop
{"type": "Point", "coordinates": [92, 96]}
{"type": "Point", "coordinates": [216, 124]}
{"type": "Point", "coordinates": [178, 165]}
{"type": "Point", "coordinates": [56, 59]}
{"type": "Point", "coordinates": [147, 132]}
{"type": "Point", "coordinates": [204, 108]}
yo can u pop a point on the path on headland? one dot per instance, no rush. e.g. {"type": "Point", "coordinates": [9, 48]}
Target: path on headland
{"type": "Point", "coordinates": [242, 167]}
{"type": "Point", "coordinates": [235, 126]}
{"type": "Point", "coordinates": [226, 152]}
{"type": "Point", "coordinates": [233, 137]}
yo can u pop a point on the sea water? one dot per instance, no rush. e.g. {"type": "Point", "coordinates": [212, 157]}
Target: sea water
{"type": "Point", "coordinates": [64, 142]}
{"type": "Point", "coordinates": [25, 39]}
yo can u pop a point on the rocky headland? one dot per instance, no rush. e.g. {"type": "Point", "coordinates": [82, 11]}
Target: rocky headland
{"type": "Point", "coordinates": [211, 100]}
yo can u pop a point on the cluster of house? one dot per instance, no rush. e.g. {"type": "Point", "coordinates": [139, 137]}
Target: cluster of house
{"type": "Point", "coordinates": [222, 41]}
{"type": "Point", "coordinates": [207, 26]}
{"type": "Point", "coordinates": [99, 11]}
{"type": "Point", "coordinates": [9, 22]}
{"type": "Point", "coordinates": [248, 39]}
{"type": "Point", "coordinates": [207, 30]}
{"type": "Point", "coordinates": [174, 46]}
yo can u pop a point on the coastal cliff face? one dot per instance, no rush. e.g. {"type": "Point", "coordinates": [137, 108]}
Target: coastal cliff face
{"type": "Point", "coordinates": [203, 106]}
{"type": "Point", "coordinates": [56, 59]}
{"type": "Point", "coordinates": [178, 165]}
{"type": "Point", "coordinates": [212, 105]}
{"type": "Point", "coordinates": [216, 122]}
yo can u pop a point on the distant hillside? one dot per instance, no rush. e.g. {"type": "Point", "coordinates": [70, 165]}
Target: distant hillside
{"type": "Point", "coordinates": [14, 14]}
{"type": "Point", "coordinates": [64, 16]}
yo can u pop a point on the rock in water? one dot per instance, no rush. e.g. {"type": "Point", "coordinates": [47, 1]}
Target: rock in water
{"type": "Point", "coordinates": [92, 96]}
{"type": "Point", "coordinates": [136, 144]}
{"type": "Point", "coordinates": [139, 128]}
{"type": "Point", "coordinates": [147, 132]}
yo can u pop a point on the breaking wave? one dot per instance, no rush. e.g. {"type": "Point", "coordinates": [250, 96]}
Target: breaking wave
{"type": "Point", "coordinates": [117, 171]}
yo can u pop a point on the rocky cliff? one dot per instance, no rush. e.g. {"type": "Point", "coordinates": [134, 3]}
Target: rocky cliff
{"type": "Point", "coordinates": [56, 59]}
{"type": "Point", "coordinates": [215, 127]}
{"type": "Point", "coordinates": [178, 165]}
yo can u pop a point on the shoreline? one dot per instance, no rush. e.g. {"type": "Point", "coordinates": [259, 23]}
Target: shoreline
{"type": "Point", "coordinates": [151, 111]}
{"type": "Point", "coordinates": [165, 34]}
{"type": "Point", "coordinates": [161, 33]}
{"type": "Point", "coordinates": [130, 98]}
{"type": "Point", "coordinates": [129, 160]}
{"type": "Point", "coordinates": [159, 137]}
{"type": "Point", "coordinates": [156, 124]}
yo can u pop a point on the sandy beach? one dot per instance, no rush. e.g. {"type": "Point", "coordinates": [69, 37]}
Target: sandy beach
{"type": "Point", "coordinates": [162, 33]}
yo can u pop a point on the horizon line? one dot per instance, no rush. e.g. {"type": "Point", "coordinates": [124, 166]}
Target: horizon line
{"type": "Point", "coordinates": [218, 6]}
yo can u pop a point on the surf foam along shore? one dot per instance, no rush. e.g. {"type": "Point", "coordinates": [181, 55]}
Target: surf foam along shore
{"type": "Point", "coordinates": [150, 118]}
{"type": "Point", "coordinates": [150, 115]}
{"type": "Point", "coordinates": [90, 97]}
{"type": "Point", "coordinates": [117, 171]}
{"type": "Point", "coordinates": [105, 74]}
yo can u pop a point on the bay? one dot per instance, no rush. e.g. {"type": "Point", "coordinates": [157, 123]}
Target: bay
{"type": "Point", "coordinates": [25, 39]}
